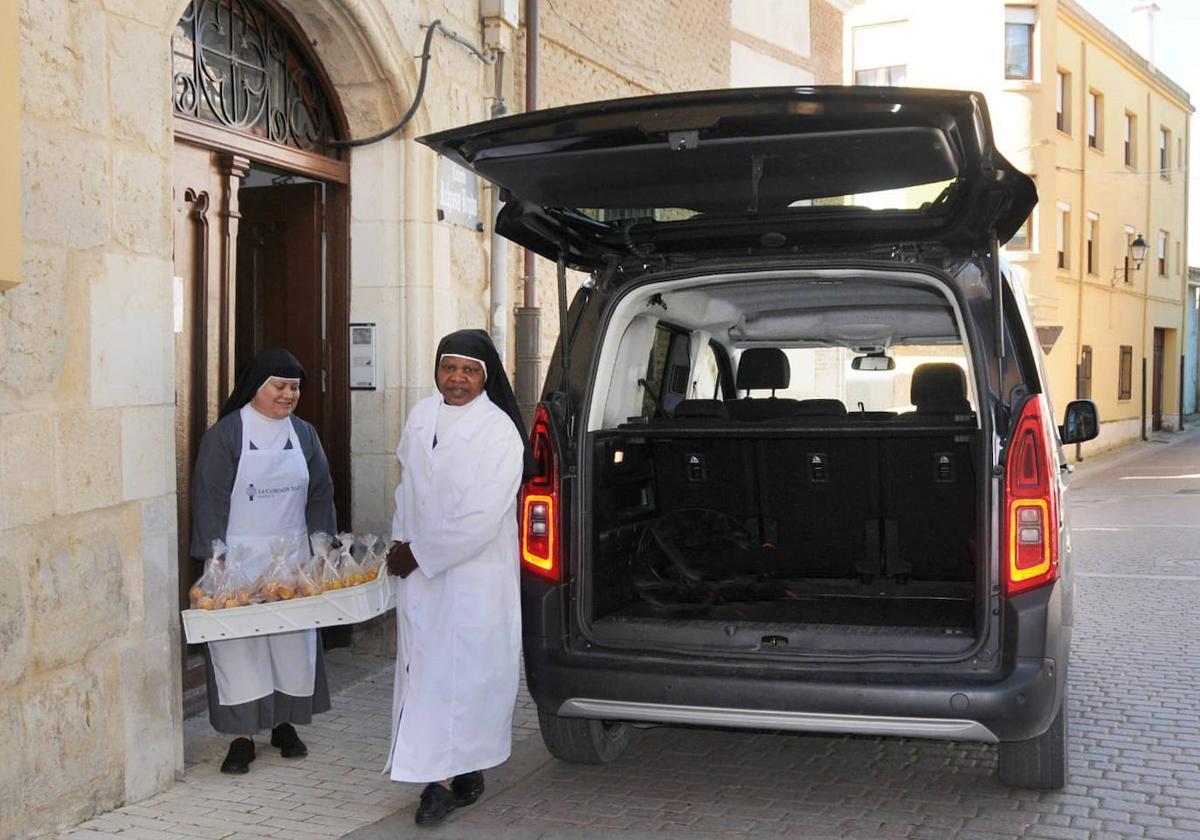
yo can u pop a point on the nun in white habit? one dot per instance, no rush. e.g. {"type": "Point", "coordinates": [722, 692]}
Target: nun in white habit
{"type": "Point", "coordinates": [261, 473]}
{"type": "Point", "coordinates": [462, 455]}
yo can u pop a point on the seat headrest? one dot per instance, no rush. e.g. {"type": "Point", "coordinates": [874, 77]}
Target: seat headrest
{"type": "Point", "coordinates": [763, 367]}
{"type": "Point", "coordinates": [702, 408]}
{"type": "Point", "coordinates": [819, 408]}
{"type": "Point", "coordinates": [939, 388]}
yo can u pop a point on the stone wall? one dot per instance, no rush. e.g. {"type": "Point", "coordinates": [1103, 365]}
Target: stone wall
{"type": "Point", "coordinates": [826, 58]}
{"type": "Point", "coordinates": [592, 51]}
{"type": "Point", "coordinates": [435, 275]}
{"type": "Point", "coordinates": [89, 662]}
{"type": "Point", "coordinates": [10, 138]}
{"type": "Point", "coordinates": [89, 632]}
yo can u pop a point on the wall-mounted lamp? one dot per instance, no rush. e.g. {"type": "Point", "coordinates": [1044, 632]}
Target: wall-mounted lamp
{"type": "Point", "coordinates": [1137, 255]}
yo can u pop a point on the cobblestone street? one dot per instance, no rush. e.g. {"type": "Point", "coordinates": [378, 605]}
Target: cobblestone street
{"type": "Point", "coordinates": [1134, 717]}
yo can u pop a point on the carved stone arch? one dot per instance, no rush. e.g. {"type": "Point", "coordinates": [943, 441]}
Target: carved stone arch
{"type": "Point", "coordinates": [356, 44]}
{"type": "Point", "coordinates": [369, 62]}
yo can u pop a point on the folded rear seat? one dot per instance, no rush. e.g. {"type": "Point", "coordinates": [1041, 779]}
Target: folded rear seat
{"type": "Point", "coordinates": [929, 489]}
{"type": "Point", "coordinates": [702, 409]}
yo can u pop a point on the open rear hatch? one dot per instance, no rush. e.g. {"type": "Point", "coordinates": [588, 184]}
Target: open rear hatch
{"type": "Point", "coordinates": [694, 181]}
{"type": "Point", "coordinates": [747, 171]}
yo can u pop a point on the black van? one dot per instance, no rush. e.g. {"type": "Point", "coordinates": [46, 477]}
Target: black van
{"type": "Point", "coordinates": [798, 464]}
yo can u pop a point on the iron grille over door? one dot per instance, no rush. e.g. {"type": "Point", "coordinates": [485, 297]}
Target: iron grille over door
{"type": "Point", "coordinates": [234, 64]}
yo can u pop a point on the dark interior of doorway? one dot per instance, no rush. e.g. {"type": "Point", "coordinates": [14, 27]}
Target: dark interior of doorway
{"type": "Point", "coordinates": [284, 299]}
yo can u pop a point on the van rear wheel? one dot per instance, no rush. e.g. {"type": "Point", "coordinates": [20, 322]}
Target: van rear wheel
{"type": "Point", "coordinates": [583, 741]}
{"type": "Point", "coordinates": [1038, 763]}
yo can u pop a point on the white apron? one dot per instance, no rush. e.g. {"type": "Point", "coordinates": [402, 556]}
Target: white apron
{"type": "Point", "coordinates": [269, 497]}
{"type": "Point", "coordinates": [458, 617]}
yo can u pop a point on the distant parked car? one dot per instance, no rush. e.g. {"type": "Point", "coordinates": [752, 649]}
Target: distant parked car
{"type": "Point", "coordinates": [732, 526]}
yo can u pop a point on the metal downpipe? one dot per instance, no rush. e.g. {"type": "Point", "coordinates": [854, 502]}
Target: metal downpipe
{"type": "Point", "coordinates": [528, 317]}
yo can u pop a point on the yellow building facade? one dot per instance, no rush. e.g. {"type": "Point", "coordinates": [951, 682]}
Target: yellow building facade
{"type": "Point", "coordinates": [1105, 135]}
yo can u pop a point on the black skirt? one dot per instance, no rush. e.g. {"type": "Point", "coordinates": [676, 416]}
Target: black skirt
{"type": "Point", "coordinates": [270, 711]}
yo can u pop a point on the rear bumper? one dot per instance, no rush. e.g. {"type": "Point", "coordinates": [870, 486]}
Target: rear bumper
{"type": "Point", "coordinates": [953, 729]}
{"type": "Point", "coordinates": [1018, 703]}
{"type": "Point", "coordinates": [1017, 707]}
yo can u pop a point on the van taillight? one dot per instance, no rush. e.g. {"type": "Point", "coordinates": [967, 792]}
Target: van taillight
{"type": "Point", "coordinates": [1031, 515]}
{"type": "Point", "coordinates": [540, 549]}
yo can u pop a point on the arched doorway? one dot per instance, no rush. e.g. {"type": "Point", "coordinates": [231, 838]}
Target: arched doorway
{"type": "Point", "coordinates": [261, 221]}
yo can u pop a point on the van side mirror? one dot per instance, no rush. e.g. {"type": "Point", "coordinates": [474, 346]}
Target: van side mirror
{"type": "Point", "coordinates": [873, 362]}
{"type": "Point", "coordinates": [1081, 423]}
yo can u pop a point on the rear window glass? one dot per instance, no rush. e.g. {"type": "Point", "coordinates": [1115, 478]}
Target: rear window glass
{"type": "Point", "coordinates": [917, 198]}
{"type": "Point", "coordinates": [827, 373]}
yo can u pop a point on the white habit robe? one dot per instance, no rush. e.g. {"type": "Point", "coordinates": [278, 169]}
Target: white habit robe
{"type": "Point", "coordinates": [458, 618]}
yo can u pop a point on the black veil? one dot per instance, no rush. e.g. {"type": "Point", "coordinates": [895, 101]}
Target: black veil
{"type": "Point", "coordinates": [477, 344]}
{"type": "Point", "coordinates": [274, 361]}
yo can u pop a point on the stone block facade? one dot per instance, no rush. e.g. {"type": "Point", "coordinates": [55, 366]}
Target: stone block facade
{"type": "Point", "coordinates": [90, 648]}
{"type": "Point", "coordinates": [89, 629]}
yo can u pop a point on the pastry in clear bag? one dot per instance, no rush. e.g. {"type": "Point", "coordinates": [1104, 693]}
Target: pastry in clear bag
{"type": "Point", "coordinates": [203, 594]}
{"type": "Point", "coordinates": [307, 573]}
{"type": "Point", "coordinates": [314, 567]}
{"type": "Point", "coordinates": [236, 588]}
{"type": "Point", "coordinates": [351, 570]}
{"type": "Point", "coordinates": [373, 557]}
{"type": "Point", "coordinates": [278, 580]}
{"type": "Point", "coordinates": [331, 572]}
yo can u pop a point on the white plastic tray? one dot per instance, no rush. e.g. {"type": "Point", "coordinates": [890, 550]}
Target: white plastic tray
{"type": "Point", "coordinates": [342, 606]}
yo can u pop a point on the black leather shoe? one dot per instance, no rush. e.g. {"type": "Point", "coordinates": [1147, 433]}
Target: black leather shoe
{"type": "Point", "coordinates": [436, 802]}
{"type": "Point", "coordinates": [290, 746]}
{"type": "Point", "coordinates": [467, 787]}
{"type": "Point", "coordinates": [237, 760]}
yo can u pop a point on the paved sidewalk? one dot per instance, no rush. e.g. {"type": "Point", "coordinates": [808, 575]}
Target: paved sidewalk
{"type": "Point", "coordinates": [336, 789]}
{"type": "Point", "coordinates": [1135, 722]}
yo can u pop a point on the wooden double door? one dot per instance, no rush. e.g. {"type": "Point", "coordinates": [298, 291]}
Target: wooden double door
{"type": "Point", "coordinates": [261, 260]}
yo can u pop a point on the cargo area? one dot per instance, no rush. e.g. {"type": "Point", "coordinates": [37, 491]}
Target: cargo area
{"type": "Point", "coordinates": [849, 537]}
{"type": "Point", "coordinates": [789, 464]}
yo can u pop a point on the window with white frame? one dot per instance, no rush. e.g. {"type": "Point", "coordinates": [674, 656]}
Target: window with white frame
{"type": "Point", "coordinates": [1164, 155]}
{"type": "Point", "coordinates": [1095, 119]}
{"type": "Point", "coordinates": [1093, 241]}
{"type": "Point", "coordinates": [1127, 263]}
{"type": "Point", "coordinates": [1130, 139]}
{"type": "Point", "coordinates": [1062, 225]}
{"type": "Point", "coordinates": [881, 53]}
{"type": "Point", "coordinates": [894, 75]}
{"type": "Point", "coordinates": [1162, 253]}
{"type": "Point", "coordinates": [1018, 41]}
{"type": "Point", "coordinates": [1022, 240]}
{"type": "Point", "coordinates": [1062, 101]}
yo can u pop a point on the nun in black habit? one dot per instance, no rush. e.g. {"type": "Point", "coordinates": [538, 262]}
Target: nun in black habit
{"type": "Point", "coordinates": [462, 455]}
{"type": "Point", "coordinates": [261, 473]}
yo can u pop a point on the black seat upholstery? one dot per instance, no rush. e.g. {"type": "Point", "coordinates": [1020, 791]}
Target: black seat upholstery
{"type": "Point", "coordinates": [929, 507]}
{"type": "Point", "coordinates": [820, 505]}
{"type": "Point", "coordinates": [762, 368]}
{"type": "Point", "coordinates": [714, 409]}
{"type": "Point", "coordinates": [820, 408]}
{"type": "Point", "coordinates": [939, 388]}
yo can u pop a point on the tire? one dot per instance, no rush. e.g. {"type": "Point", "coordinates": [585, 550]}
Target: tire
{"type": "Point", "coordinates": [1039, 763]}
{"type": "Point", "coordinates": [583, 741]}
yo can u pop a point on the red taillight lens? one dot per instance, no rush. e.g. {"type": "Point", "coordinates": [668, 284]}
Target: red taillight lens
{"type": "Point", "coordinates": [1030, 546]}
{"type": "Point", "coordinates": [540, 550]}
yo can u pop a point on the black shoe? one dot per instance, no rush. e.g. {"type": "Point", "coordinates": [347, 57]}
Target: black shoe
{"type": "Point", "coordinates": [290, 746]}
{"type": "Point", "coordinates": [436, 802]}
{"type": "Point", "coordinates": [467, 787]}
{"type": "Point", "coordinates": [237, 760]}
